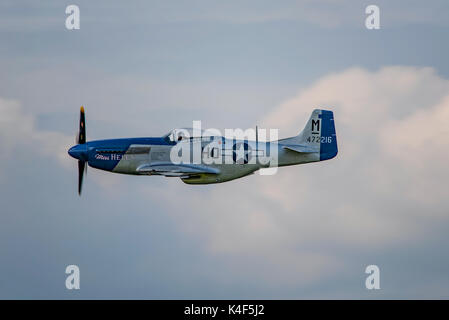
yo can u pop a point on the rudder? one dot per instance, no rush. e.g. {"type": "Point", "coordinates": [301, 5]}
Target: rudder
{"type": "Point", "coordinates": [328, 136]}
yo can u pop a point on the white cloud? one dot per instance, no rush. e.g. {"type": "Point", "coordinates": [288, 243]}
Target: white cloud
{"type": "Point", "coordinates": [420, 144]}
{"type": "Point", "coordinates": [291, 228]}
{"type": "Point", "coordinates": [18, 130]}
{"type": "Point", "coordinates": [392, 134]}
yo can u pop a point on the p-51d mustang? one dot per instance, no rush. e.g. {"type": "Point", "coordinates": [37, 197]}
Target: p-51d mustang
{"type": "Point", "coordinates": [220, 159]}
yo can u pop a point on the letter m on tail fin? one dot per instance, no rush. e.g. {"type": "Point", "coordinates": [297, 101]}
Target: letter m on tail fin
{"type": "Point", "coordinates": [315, 125]}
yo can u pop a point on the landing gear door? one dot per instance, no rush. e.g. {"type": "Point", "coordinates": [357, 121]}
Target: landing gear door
{"type": "Point", "coordinates": [159, 154]}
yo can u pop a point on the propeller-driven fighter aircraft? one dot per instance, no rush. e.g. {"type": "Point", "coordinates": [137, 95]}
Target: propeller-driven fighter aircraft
{"type": "Point", "coordinates": [198, 159]}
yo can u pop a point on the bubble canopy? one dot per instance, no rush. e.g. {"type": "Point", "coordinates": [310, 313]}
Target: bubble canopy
{"type": "Point", "coordinates": [180, 134]}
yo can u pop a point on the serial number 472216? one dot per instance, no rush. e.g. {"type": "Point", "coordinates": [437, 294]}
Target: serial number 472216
{"type": "Point", "coordinates": [316, 139]}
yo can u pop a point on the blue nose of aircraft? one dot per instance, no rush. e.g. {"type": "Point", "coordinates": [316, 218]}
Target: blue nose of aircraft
{"type": "Point", "coordinates": [79, 152]}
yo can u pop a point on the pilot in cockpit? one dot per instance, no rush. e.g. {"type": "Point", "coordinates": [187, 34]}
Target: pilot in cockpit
{"type": "Point", "coordinates": [180, 136]}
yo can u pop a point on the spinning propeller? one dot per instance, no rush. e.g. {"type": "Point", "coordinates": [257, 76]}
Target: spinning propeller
{"type": "Point", "coordinates": [80, 150]}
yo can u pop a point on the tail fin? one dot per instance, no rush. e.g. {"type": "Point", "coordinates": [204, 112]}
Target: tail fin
{"type": "Point", "coordinates": [318, 132]}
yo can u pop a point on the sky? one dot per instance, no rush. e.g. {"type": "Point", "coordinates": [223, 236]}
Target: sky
{"type": "Point", "coordinates": [146, 67]}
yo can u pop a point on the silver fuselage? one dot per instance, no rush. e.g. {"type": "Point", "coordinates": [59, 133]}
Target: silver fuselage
{"type": "Point", "coordinates": [222, 154]}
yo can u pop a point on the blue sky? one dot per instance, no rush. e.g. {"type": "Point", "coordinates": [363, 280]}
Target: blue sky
{"type": "Point", "coordinates": [145, 68]}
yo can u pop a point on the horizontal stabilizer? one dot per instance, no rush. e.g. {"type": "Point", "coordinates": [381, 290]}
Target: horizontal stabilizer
{"type": "Point", "coordinates": [300, 148]}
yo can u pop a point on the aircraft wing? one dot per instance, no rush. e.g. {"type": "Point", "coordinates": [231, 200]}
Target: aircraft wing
{"type": "Point", "coordinates": [169, 169]}
{"type": "Point", "coordinates": [300, 148]}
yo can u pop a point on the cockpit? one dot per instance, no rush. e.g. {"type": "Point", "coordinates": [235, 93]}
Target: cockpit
{"type": "Point", "coordinates": [181, 134]}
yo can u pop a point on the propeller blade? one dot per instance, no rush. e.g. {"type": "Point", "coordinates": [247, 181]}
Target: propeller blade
{"type": "Point", "coordinates": [82, 130]}
{"type": "Point", "coordinates": [81, 168]}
